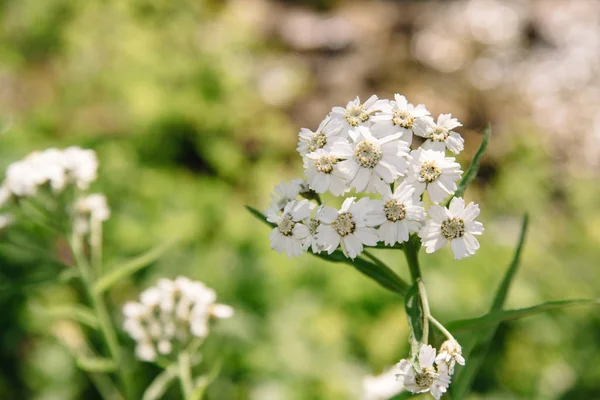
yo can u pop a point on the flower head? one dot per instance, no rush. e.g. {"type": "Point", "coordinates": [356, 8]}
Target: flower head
{"type": "Point", "coordinates": [398, 214]}
{"type": "Point", "coordinates": [323, 173]}
{"type": "Point", "coordinates": [346, 228]}
{"type": "Point", "coordinates": [456, 225]}
{"type": "Point", "coordinates": [291, 235]}
{"type": "Point", "coordinates": [328, 130]}
{"type": "Point", "coordinates": [371, 164]}
{"type": "Point", "coordinates": [396, 116]}
{"type": "Point", "coordinates": [355, 114]}
{"type": "Point", "coordinates": [169, 315]}
{"type": "Point", "coordinates": [450, 354]}
{"type": "Point", "coordinates": [432, 170]}
{"type": "Point", "coordinates": [424, 377]}
{"type": "Point", "coordinates": [440, 135]}
{"type": "Point", "coordinates": [286, 192]}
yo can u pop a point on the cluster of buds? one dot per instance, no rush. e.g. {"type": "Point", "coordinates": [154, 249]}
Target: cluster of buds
{"type": "Point", "coordinates": [427, 373]}
{"type": "Point", "coordinates": [369, 148]}
{"type": "Point", "coordinates": [171, 314]}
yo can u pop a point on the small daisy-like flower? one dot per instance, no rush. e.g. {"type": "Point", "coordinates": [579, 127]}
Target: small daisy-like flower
{"type": "Point", "coordinates": [286, 192]}
{"type": "Point", "coordinates": [309, 141]}
{"type": "Point", "coordinates": [440, 135]}
{"type": "Point", "coordinates": [346, 228]}
{"type": "Point", "coordinates": [370, 163]}
{"type": "Point", "coordinates": [424, 378]}
{"type": "Point", "coordinates": [456, 225]}
{"type": "Point", "coordinates": [169, 315]}
{"type": "Point", "coordinates": [355, 114]}
{"type": "Point", "coordinates": [290, 235]}
{"type": "Point", "coordinates": [396, 116]}
{"type": "Point", "coordinates": [450, 354]}
{"type": "Point", "coordinates": [323, 173]}
{"type": "Point", "coordinates": [432, 170]}
{"type": "Point", "coordinates": [313, 240]}
{"type": "Point", "coordinates": [398, 215]}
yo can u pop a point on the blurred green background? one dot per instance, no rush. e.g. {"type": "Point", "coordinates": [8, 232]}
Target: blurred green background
{"type": "Point", "coordinates": [194, 107]}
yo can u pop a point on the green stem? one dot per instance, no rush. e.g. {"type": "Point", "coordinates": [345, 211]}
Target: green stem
{"type": "Point", "coordinates": [411, 250]}
{"type": "Point", "coordinates": [185, 375]}
{"type": "Point", "coordinates": [426, 311]}
{"type": "Point", "coordinates": [96, 245]}
{"type": "Point", "coordinates": [442, 328]}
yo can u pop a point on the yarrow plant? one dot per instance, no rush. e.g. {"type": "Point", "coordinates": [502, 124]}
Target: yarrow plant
{"type": "Point", "coordinates": [394, 168]}
{"type": "Point", "coordinates": [49, 190]}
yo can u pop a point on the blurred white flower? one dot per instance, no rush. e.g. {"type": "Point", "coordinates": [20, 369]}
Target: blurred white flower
{"type": "Point", "coordinates": [371, 164]}
{"type": "Point", "coordinates": [381, 387]}
{"type": "Point", "coordinates": [456, 225]}
{"type": "Point", "coordinates": [424, 378]}
{"type": "Point", "coordinates": [398, 214]}
{"type": "Point", "coordinates": [440, 135]}
{"type": "Point", "coordinates": [286, 192]}
{"type": "Point", "coordinates": [450, 354]}
{"type": "Point", "coordinates": [290, 235]}
{"type": "Point", "coordinates": [169, 315]}
{"type": "Point", "coordinates": [397, 116]}
{"type": "Point", "coordinates": [346, 228]}
{"type": "Point", "coordinates": [94, 205]}
{"type": "Point", "coordinates": [432, 170]}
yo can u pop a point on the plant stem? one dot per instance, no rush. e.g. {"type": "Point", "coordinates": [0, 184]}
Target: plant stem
{"type": "Point", "coordinates": [411, 250]}
{"type": "Point", "coordinates": [96, 245]}
{"type": "Point", "coordinates": [425, 308]}
{"type": "Point", "coordinates": [185, 375]}
{"type": "Point", "coordinates": [441, 327]}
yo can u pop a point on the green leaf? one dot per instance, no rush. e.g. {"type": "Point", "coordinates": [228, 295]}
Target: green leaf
{"type": "Point", "coordinates": [474, 167]}
{"type": "Point", "coordinates": [96, 364]}
{"type": "Point", "coordinates": [130, 267]}
{"type": "Point", "coordinates": [493, 318]}
{"type": "Point", "coordinates": [379, 272]}
{"type": "Point", "coordinates": [160, 384]}
{"type": "Point", "coordinates": [74, 312]}
{"type": "Point", "coordinates": [475, 349]}
{"type": "Point", "coordinates": [414, 312]}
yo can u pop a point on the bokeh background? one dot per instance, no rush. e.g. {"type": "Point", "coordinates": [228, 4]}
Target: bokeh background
{"type": "Point", "coordinates": [194, 107]}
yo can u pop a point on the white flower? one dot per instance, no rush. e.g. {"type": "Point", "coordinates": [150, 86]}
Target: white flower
{"type": "Point", "coordinates": [432, 170]}
{"type": "Point", "coordinates": [346, 228]}
{"type": "Point", "coordinates": [456, 225]}
{"type": "Point", "coordinates": [450, 354]}
{"type": "Point", "coordinates": [355, 114]}
{"type": "Point", "coordinates": [81, 165]}
{"type": "Point", "coordinates": [286, 192]}
{"type": "Point", "coordinates": [370, 163]}
{"type": "Point", "coordinates": [323, 173]}
{"type": "Point", "coordinates": [424, 378]}
{"type": "Point", "coordinates": [169, 315]}
{"type": "Point", "coordinates": [440, 136]}
{"type": "Point", "coordinates": [290, 235]}
{"type": "Point", "coordinates": [309, 141]}
{"type": "Point", "coordinates": [95, 205]}
{"type": "Point", "coordinates": [398, 214]}
{"type": "Point", "coordinates": [396, 116]}
{"type": "Point", "coordinates": [381, 387]}
{"type": "Point", "coordinates": [313, 223]}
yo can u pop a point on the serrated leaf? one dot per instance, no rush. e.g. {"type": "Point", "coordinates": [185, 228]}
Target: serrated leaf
{"type": "Point", "coordinates": [381, 274]}
{"type": "Point", "coordinates": [493, 318]}
{"type": "Point", "coordinates": [96, 364]}
{"type": "Point", "coordinates": [474, 167]}
{"type": "Point", "coordinates": [130, 267]}
{"type": "Point", "coordinates": [475, 349]}
{"type": "Point", "coordinates": [414, 312]}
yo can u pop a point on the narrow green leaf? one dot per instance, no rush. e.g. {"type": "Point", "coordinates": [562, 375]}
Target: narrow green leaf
{"type": "Point", "coordinates": [414, 312]}
{"type": "Point", "coordinates": [475, 349]}
{"type": "Point", "coordinates": [474, 167]}
{"type": "Point", "coordinates": [74, 312]}
{"type": "Point", "coordinates": [131, 267]}
{"type": "Point", "coordinates": [495, 317]}
{"type": "Point", "coordinates": [381, 274]}
{"type": "Point", "coordinates": [160, 384]}
{"type": "Point", "coordinates": [96, 364]}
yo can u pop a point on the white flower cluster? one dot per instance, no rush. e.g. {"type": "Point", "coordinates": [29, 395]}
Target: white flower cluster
{"type": "Point", "coordinates": [169, 315]}
{"type": "Point", "coordinates": [368, 147]}
{"type": "Point", "coordinates": [429, 373]}
{"type": "Point", "coordinates": [89, 209]}
{"type": "Point", "coordinates": [58, 168]}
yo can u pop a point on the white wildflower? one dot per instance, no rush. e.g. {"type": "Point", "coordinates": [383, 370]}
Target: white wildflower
{"type": "Point", "coordinates": [432, 170]}
{"type": "Point", "coordinates": [424, 377]}
{"type": "Point", "coordinates": [290, 235]}
{"type": "Point", "coordinates": [94, 205]}
{"type": "Point", "coordinates": [286, 192]}
{"type": "Point", "coordinates": [323, 173]}
{"type": "Point", "coordinates": [450, 354]}
{"type": "Point", "coordinates": [346, 228]}
{"type": "Point", "coordinates": [370, 163]}
{"type": "Point", "coordinates": [169, 315]}
{"type": "Point", "coordinates": [398, 214]}
{"type": "Point", "coordinates": [456, 225]}
{"type": "Point", "coordinates": [328, 130]}
{"type": "Point", "coordinates": [440, 135]}
{"type": "Point", "coordinates": [313, 223]}
{"type": "Point", "coordinates": [81, 166]}
{"type": "Point", "coordinates": [355, 114]}
{"type": "Point", "coordinates": [396, 116]}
